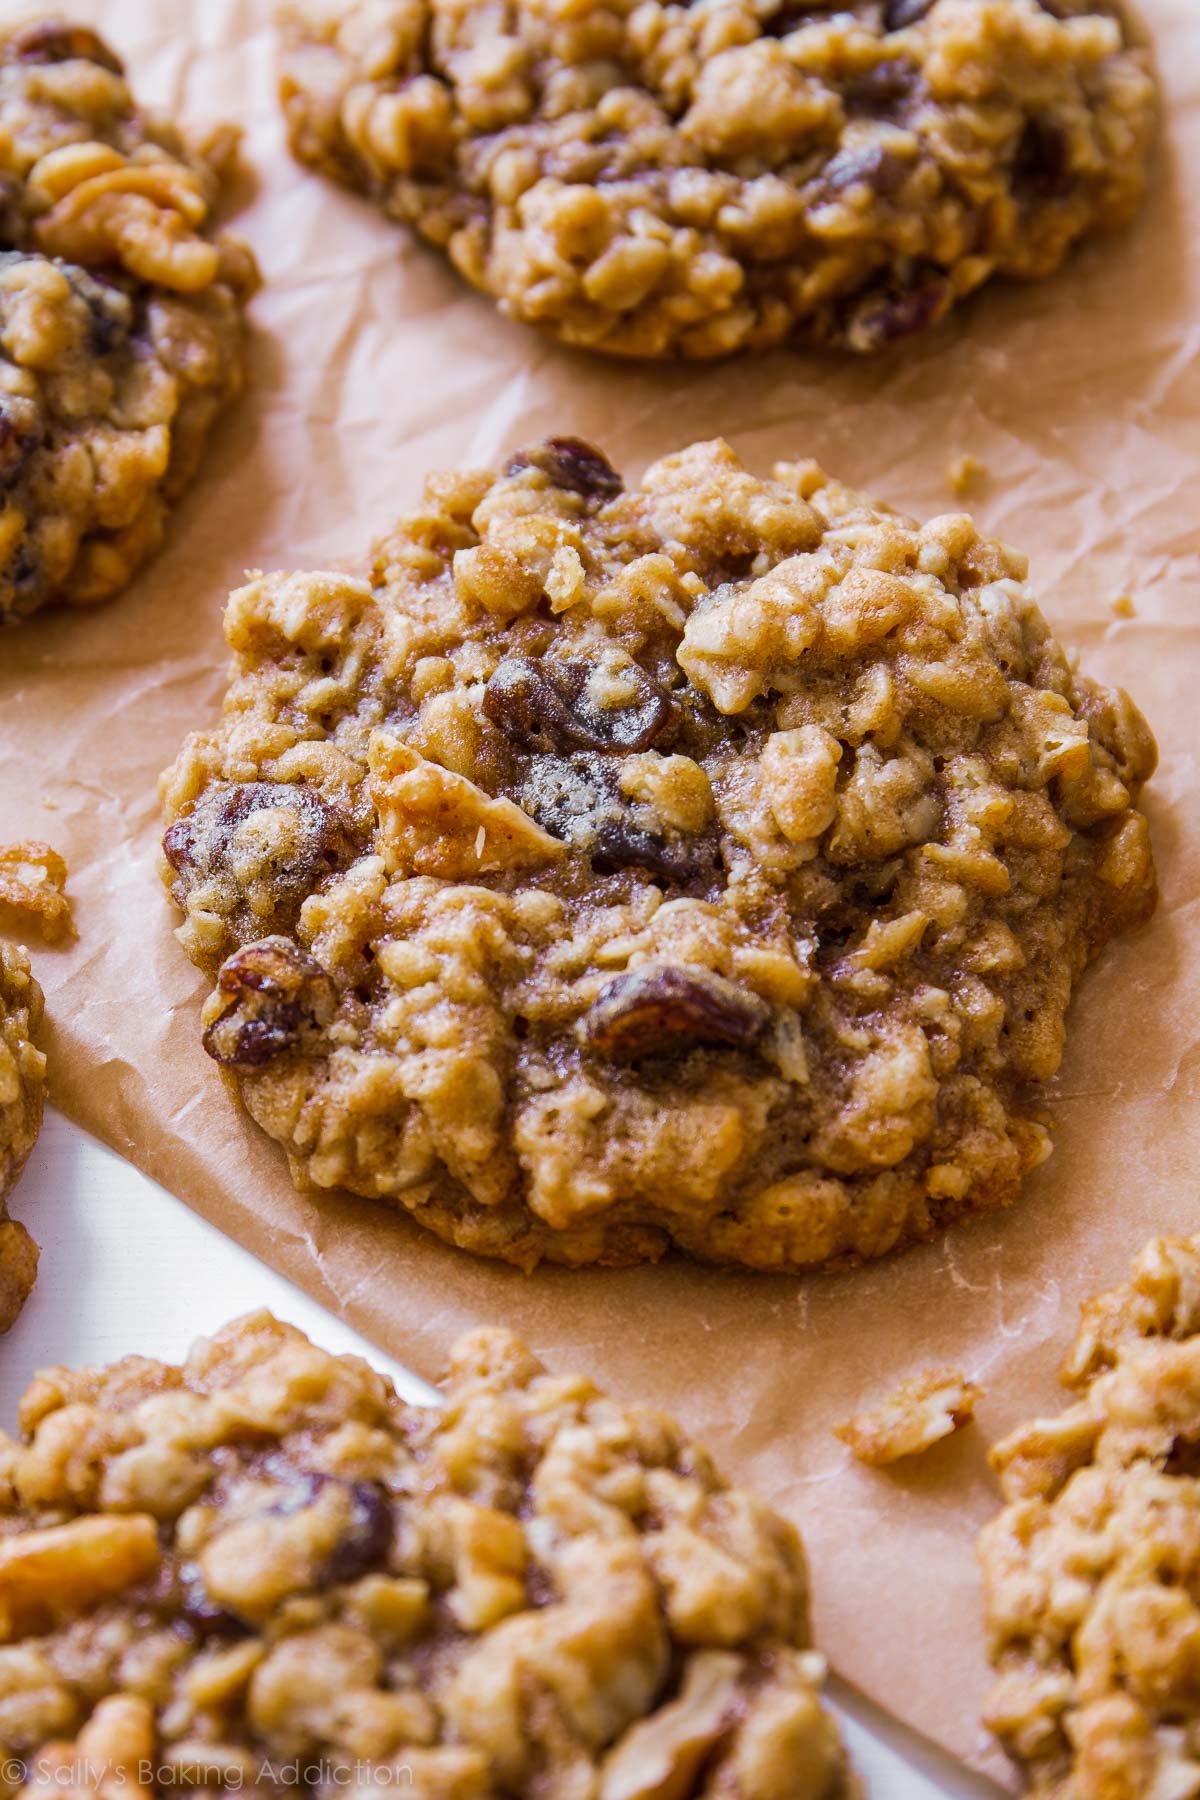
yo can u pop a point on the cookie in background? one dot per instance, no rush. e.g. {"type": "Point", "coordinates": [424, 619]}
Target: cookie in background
{"type": "Point", "coordinates": [663, 180]}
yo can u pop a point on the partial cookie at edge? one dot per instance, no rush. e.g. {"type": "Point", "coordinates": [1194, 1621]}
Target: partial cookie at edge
{"type": "Point", "coordinates": [264, 1555]}
{"type": "Point", "coordinates": [22, 1095]}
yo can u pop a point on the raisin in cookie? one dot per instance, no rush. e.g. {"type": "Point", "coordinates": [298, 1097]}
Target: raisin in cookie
{"type": "Point", "coordinates": [674, 180]}
{"type": "Point", "coordinates": [22, 1092]}
{"type": "Point", "coordinates": [1092, 1572]}
{"type": "Point", "coordinates": [120, 319]}
{"type": "Point", "coordinates": [708, 862]}
{"type": "Point", "coordinates": [264, 1555]}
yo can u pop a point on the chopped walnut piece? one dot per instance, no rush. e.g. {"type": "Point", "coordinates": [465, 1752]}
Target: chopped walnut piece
{"type": "Point", "coordinates": [270, 999]}
{"type": "Point", "coordinates": [63, 1570]}
{"type": "Point", "coordinates": [434, 822]}
{"type": "Point", "coordinates": [32, 879]}
{"type": "Point", "coordinates": [662, 1757]}
{"type": "Point", "coordinates": [923, 1410]}
{"type": "Point", "coordinates": [663, 1753]}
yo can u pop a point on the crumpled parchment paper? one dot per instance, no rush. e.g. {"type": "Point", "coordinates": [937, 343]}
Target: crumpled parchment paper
{"type": "Point", "coordinates": [371, 365]}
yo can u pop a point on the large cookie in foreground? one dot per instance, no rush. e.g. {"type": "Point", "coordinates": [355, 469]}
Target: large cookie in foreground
{"type": "Point", "coordinates": [264, 1560]}
{"type": "Point", "coordinates": [1092, 1571]}
{"type": "Point", "coordinates": [120, 318]}
{"type": "Point", "coordinates": [705, 863]}
{"type": "Point", "coordinates": [662, 180]}
{"type": "Point", "coordinates": [22, 1096]}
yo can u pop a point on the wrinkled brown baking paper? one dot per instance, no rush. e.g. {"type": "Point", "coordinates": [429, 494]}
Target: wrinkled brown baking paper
{"type": "Point", "coordinates": [372, 365]}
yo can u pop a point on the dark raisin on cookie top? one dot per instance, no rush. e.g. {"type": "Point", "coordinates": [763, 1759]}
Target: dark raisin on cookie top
{"type": "Point", "coordinates": [705, 862]}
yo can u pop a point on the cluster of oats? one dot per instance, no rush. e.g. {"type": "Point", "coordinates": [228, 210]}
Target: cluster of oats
{"type": "Point", "coordinates": [22, 1092]}
{"type": "Point", "coordinates": [1092, 1570]}
{"type": "Point", "coordinates": [921, 1412]}
{"type": "Point", "coordinates": [263, 1555]}
{"type": "Point", "coordinates": [658, 179]}
{"type": "Point", "coordinates": [120, 318]}
{"type": "Point", "coordinates": [707, 863]}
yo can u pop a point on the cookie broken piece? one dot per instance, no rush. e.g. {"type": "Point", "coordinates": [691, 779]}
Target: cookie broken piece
{"type": "Point", "coordinates": [704, 863]}
{"type": "Point", "coordinates": [920, 1413]}
{"type": "Point", "coordinates": [120, 318]}
{"type": "Point", "coordinates": [531, 1589]}
{"type": "Point", "coordinates": [1092, 1571]}
{"type": "Point", "coordinates": [22, 1096]}
{"type": "Point", "coordinates": [33, 877]}
{"type": "Point", "coordinates": [662, 180]}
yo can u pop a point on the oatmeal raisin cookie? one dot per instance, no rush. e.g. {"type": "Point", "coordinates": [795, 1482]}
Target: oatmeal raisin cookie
{"type": "Point", "coordinates": [22, 1092]}
{"type": "Point", "coordinates": [660, 179]}
{"type": "Point", "coordinates": [263, 1557]}
{"type": "Point", "coordinates": [707, 862]}
{"type": "Point", "coordinates": [1092, 1571]}
{"type": "Point", "coordinates": [120, 318]}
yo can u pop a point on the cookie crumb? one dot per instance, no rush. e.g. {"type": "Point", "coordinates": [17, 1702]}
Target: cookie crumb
{"type": "Point", "coordinates": [530, 1534]}
{"type": "Point", "coordinates": [32, 879]}
{"type": "Point", "coordinates": [965, 473]}
{"type": "Point", "coordinates": [923, 1410]}
{"type": "Point", "coordinates": [1090, 1606]}
{"type": "Point", "coordinates": [1123, 607]}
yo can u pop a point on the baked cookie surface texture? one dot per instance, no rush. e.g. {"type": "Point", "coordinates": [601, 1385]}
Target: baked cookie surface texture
{"type": "Point", "coordinates": [120, 318]}
{"type": "Point", "coordinates": [1092, 1571]}
{"type": "Point", "coordinates": [705, 863]}
{"type": "Point", "coordinates": [22, 1095]}
{"type": "Point", "coordinates": [673, 180]}
{"type": "Point", "coordinates": [263, 1557]}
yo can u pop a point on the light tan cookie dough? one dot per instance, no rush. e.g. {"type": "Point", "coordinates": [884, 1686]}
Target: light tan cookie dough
{"type": "Point", "coordinates": [22, 1093]}
{"type": "Point", "coordinates": [707, 863]}
{"type": "Point", "coordinates": [672, 180]}
{"type": "Point", "coordinates": [120, 318]}
{"type": "Point", "coordinates": [265, 1556]}
{"type": "Point", "coordinates": [1092, 1571]}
